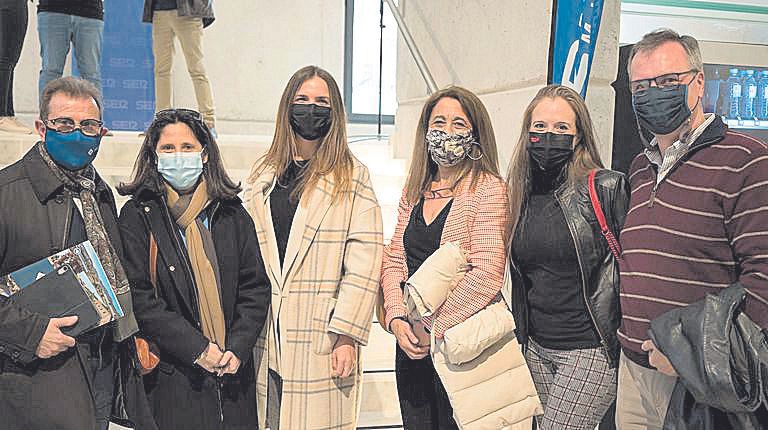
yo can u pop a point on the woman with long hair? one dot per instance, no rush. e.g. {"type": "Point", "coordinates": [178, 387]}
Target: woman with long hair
{"type": "Point", "coordinates": [565, 277]}
{"type": "Point", "coordinates": [453, 193]}
{"type": "Point", "coordinates": [319, 225]}
{"type": "Point", "coordinates": [200, 291]}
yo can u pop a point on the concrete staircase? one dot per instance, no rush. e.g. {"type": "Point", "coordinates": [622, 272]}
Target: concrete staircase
{"type": "Point", "coordinates": [380, 408]}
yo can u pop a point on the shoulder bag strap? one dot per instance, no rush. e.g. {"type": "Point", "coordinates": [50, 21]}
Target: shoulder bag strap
{"type": "Point", "coordinates": [613, 244]}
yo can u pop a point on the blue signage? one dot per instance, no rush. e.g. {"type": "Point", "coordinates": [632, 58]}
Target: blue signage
{"type": "Point", "coordinates": [127, 67]}
{"type": "Point", "coordinates": [577, 23]}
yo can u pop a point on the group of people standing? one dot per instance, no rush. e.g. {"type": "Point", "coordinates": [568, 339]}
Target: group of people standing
{"type": "Point", "coordinates": [257, 309]}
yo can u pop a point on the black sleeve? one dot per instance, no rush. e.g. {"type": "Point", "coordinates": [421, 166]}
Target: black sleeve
{"type": "Point", "coordinates": [20, 330]}
{"type": "Point", "coordinates": [620, 204]}
{"type": "Point", "coordinates": [171, 331]}
{"type": "Point", "coordinates": [254, 291]}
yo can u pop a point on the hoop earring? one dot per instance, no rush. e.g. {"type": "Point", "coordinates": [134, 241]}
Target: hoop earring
{"type": "Point", "coordinates": [475, 149]}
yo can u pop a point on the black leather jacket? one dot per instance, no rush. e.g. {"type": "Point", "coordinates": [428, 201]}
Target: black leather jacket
{"type": "Point", "coordinates": [721, 357]}
{"type": "Point", "coordinates": [599, 270]}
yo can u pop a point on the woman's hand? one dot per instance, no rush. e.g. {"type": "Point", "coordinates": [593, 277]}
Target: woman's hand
{"type": "Point", "coordinates": [209, 359]}
{"type": "Point", "coordinates": [229, 363]}
{"type": "Point", "coordinates": [408, 340]}
{"type": "Point", "coordinates": [343, 357]}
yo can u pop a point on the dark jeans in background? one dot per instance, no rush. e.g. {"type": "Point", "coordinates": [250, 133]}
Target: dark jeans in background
{"type": "Point", "coordinates": [13, 28]}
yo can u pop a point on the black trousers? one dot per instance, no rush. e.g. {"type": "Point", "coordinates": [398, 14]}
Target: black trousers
{"type": "Point", "coordinates": [424, 403]}
{"type": "Point", "coordinates": [13, 28]}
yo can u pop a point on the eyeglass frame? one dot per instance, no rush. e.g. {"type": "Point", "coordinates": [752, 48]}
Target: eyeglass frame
{"type": "Point", "coordinates": [74, 125]}
{"type": "Point", "coordinates": [677, 76]}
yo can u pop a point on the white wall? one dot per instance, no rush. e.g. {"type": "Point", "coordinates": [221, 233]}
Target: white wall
{"type": "Point", "coordinates": [250, 52]}
{"type": "Point", "coordinates": [500, 51]}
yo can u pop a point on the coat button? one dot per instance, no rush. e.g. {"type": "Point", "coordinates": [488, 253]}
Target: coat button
{"type": "Point", "coordinates": [2, 348]}
{"type": "Point", "coordinates": [172, 268]}
{"type": "Point", "coordinates": [146, 208]}
{"type": "Point", "coordinates": [16, 355]}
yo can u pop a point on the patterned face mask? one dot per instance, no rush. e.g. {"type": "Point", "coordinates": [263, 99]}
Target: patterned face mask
{"type": "Point", "coordinates": [448, 150]}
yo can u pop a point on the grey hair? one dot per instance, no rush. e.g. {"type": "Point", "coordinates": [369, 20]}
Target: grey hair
{"type": "Point", "coordinates": [656, 38]}
{"type": "Point", "coordinates": [74, 87]}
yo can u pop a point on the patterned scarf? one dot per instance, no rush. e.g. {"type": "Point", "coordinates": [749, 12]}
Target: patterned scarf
{"type": "Point", "coordinates": [185, 210]}
{"type": "Point", "coordinates": [84, 183]}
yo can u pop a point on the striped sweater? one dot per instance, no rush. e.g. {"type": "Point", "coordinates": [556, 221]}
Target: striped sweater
{"type": "Point", "coordinates": [701, 228]}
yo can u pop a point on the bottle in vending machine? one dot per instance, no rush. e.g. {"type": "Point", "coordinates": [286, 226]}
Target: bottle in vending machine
{"type": "Point", "coordinates": [733, 94]}
{"type": "Point", "coordinates": [762, 96]}
{"type": "Point", "coordinates": [748, 95]}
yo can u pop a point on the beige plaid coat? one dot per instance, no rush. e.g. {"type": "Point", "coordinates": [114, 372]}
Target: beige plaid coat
{"type": "Point", "coordinates": [327, 286]}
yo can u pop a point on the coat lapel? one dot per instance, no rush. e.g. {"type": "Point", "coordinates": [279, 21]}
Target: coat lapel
{"type": "Point", "coordinates": [310, 213]}
{"type": "Point", "coordinates": [262, 187]}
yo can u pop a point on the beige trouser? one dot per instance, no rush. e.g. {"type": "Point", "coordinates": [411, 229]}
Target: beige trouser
{"type": "Point", "coordinates": [643, 396]}
{"type": "Point", "coordinates": [166, 25]}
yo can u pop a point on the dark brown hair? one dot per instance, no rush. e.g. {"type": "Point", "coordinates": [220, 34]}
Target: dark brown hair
{"type": "Point", "coordinates": [77, 88]}
{"type": "Point", "coordinates": [219, 184]}
{"type": "Point", "coordinates": [423, 169]}
{"type": "Point", "coordinates": [656, 38]}
{"type": "Point", "coordinates": [333, 155]}
{"type": "Point", "coordinates": [585, 156]}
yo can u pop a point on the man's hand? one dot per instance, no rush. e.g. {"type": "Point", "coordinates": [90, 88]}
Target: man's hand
{"type": "Point", "coordinates": [210, 358]}
{"type": "Point", "coordinates": [54, 342]}
{"type": "Point", "coordinates": [657, 359]}
{"type": "Point", "coordinates": [229, 363]}
{"type": "Point", "coordinates": [343, 357]}
{"type": "Point", "coordinates": [408, 340]}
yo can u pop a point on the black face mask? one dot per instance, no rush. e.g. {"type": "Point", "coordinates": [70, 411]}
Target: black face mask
{"type": "Point", "coordinates": [550, 152]}
{"type": "Point", "coordinates": [662, 110]}
{"type": "Point", "coordinates": [310, 121]}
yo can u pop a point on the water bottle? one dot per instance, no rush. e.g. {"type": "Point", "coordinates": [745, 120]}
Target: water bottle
{"type": "Point", "coordinates": [733, 94]}
{"type": "Point", "coordinates": [762, 97]}
{"type": "Point", "coordinates": [748, 95]}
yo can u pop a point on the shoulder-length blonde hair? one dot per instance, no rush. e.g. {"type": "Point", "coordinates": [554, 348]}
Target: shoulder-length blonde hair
{"type": "Point", "coordinates": [585, 156]}
{"type": "Point", "coordinates": [423, 169]}
{"type": "Point", "coordinates": [333, 156]}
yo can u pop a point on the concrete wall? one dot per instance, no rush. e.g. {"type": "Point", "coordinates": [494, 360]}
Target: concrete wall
{"type": "Point", "coordinates": [500, 51]}
{"type": "Point", "coordinates": [251, 50]}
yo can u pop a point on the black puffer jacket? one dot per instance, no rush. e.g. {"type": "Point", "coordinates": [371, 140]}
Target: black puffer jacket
{"type": "Point", "coordinates": [599, 270]}
{"type": "Point", "coordinates": [721, 357]}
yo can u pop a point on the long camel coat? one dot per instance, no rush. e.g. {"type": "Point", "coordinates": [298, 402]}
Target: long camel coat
{"type": "Point", "coordinates": [326, 286]}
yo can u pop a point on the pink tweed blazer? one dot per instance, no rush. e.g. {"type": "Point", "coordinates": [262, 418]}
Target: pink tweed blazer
{"type": "Point", "coordinates": [476, 221]}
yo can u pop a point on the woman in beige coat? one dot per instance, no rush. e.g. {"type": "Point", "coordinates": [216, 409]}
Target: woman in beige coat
{"type": "Point", "coordinates": [319, 229]}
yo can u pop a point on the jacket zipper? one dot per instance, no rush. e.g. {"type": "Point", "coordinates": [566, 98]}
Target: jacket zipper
{"type": "Point", "coordinates": [219, 380]}
{"type": "Point", "coordinates": [584, 282]}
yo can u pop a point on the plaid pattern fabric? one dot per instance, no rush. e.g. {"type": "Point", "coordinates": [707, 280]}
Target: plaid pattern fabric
{"type": "Point", "coordinates": [476, 221]}
{"type": "Point", "coordinates": [576, 387]}
{"type": "Point", "coordinates": [327, 285]}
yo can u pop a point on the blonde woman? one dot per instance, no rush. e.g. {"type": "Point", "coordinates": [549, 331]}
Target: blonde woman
{"type": "Point", "coordinates": [453, 194]}
{"type": "Point", "coordinates": [319, 228]}
{"type": "Point", "coordinates": [565, 280]}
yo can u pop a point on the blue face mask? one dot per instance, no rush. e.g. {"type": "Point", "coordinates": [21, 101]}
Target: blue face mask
{"type": "Point", "coordinates": [72, 151]}
{"type": "Point", "coordinates": [180, 169]}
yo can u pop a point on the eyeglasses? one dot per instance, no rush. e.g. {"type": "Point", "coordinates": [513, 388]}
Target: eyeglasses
{"type": "Point", "coordinates": [89, 127]}
{"type": "Point", "coordinates": [180, 112]}
{"type": "Point", "coordinates": [663, 81]}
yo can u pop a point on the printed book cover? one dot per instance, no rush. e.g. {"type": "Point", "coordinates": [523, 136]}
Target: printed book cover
{"type": "Point", "coordinates": [85, 264]}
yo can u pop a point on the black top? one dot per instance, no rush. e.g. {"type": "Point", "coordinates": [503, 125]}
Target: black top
{"type": "Point", "coordinates": [283, 208]}
{"type": "Point", "coordinates": [543, 246]}
{"type": "Point", "coordinates": [164, 5]}
{"type": "Point", "coordinates": [85, 8]}
{"type": "Point", "coordinates": [421, 240]}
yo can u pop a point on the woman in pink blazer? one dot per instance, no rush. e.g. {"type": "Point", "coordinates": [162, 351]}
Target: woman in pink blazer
{"type": "Point", "coordinates": [453, 193]}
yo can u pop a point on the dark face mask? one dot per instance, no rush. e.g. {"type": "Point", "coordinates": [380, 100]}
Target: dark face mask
{"type": "Point", "coordinates": [550, 152]}
{"type": "Point", "coordinates": [310, 121]}
{"type": "Point", "coordinates": [662, 110]}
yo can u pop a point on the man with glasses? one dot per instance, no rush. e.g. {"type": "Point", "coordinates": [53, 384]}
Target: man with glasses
{"type": "Point", "coordinates": [697, 223]}
{"type": "Point", "coordinates": [50, 200]}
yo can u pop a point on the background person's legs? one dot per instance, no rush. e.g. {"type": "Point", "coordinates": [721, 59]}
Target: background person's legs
{"type": "Point", "coordinates": [13, 28]}
{"type": "Point", "coordinates": [190, 34]}
{"type": "Point", "coordinates": [163, 50]}
{"type": "Point", "coordinates": [87, 36]}
{"type": "Point", "coordinates": [55, 33]}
